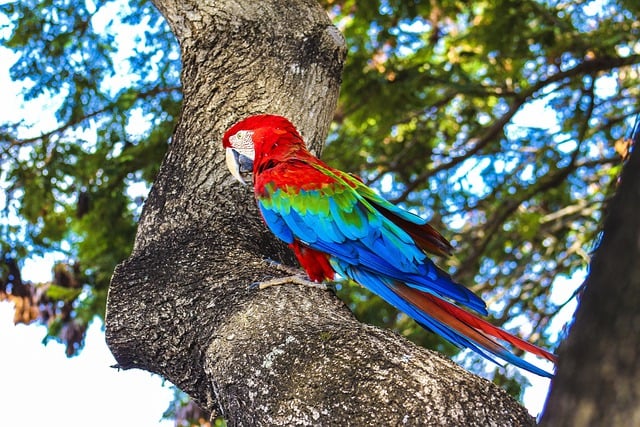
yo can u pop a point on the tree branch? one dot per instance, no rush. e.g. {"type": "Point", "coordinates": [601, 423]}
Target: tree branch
{"type": "Point", "coordinates": [597, 380]}
{"type": "Point", "coordinates": [180, 305]}
{"type": "Point", "coordinates": [592, 66]}
{"type": "Point", "coordinates": [76, 121]}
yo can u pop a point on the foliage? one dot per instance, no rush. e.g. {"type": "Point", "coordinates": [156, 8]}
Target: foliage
{"type": "Point", "coordinates": [187, 414]}
{"type": "Point", "coordinates": [496, 119]}
{"type": "Point", "coordinates": [71, 188]}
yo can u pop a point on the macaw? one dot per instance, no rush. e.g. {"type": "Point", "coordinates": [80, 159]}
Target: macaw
{"type": "Point", "coordinates": [337, 225]}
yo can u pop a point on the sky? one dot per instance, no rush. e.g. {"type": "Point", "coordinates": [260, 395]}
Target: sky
{"type": "Point", "coordinates": [40, 385]}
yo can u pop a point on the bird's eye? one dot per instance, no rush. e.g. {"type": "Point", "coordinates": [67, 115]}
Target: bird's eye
{"type": "Point", "coordinates": [242, 139]}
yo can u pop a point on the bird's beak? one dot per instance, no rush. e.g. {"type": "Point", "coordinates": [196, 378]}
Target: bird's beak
{"type": "Point", "coordinates": [238, 163]}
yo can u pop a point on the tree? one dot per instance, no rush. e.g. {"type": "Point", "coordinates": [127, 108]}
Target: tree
{"type": "Point", "coordinates": [597, 382]}
{"type": "Point", "coordinates": [261, 358]}
{"type": "Point", "coordinates": [430, 95]}
{"type": "Point", "coordinates": [67, 188]}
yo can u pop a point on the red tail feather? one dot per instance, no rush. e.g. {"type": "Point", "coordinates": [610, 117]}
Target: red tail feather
{"type": "Point", "coordinates": [466, 323]}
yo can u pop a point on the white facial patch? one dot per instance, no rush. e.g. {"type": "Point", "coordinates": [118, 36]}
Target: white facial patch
{"type": "Point", "coordinates": [241, 154]}
{"type": "Point", "coordinates": [242, 140]}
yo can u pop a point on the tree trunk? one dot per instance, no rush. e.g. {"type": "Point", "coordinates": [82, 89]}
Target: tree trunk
{"type": "Point", "coordinates": [598, 381]}
{"type": "Point", "coordinates": [181, 305]}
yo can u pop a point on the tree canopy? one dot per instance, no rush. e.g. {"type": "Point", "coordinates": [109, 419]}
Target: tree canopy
{"type": "Point", "coordinates": [503, 122]}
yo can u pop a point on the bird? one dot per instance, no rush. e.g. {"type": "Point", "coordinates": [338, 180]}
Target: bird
{"type": "Point", "coordinates": [337, 226]}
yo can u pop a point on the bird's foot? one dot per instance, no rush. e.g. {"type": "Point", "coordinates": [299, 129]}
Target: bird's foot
{"type": "Point", "coordinates": [293, 271]}
{"type": "Point", "coordinates": [295, 276]}
{"type": "Point", "coordinates": [297, 280]}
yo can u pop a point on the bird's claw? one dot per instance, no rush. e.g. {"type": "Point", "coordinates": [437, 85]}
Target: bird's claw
{"type": "Point", "coordinates": [295, 279]}
{"type": "Point", "coordinates": [293, 271]}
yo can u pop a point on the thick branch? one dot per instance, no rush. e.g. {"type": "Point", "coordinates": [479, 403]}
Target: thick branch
{"type": "Point", "coordinates": [180, 305]}
{"type": "Point", "coordinates": [598, 379]}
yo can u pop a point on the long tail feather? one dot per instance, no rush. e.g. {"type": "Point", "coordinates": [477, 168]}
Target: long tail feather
{"type": "Point", "coordinates": [445, 319]}
{"type": "Point", "coordinates": [488, 328]}
{"type": "Point", "coordinates": [473, 328]}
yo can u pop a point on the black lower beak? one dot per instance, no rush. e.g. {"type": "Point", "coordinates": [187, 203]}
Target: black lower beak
{"type": "Point", "coordinates": [245, 164]}
{"type": "Point", "coordinates": [238, 164]}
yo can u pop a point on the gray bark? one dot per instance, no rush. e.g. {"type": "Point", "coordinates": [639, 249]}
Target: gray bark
{"type": "Point", "coordinates": [598, 380]}
{"type": "Point", "coordinates": [180, 304]}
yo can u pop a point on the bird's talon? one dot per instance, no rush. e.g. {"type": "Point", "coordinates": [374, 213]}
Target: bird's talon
{"type": "Point", "coordinates": [292, 271]}
{"type": "Point", "coordinates": [296, 280]}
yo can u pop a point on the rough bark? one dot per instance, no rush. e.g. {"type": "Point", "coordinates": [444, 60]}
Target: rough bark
{"type": "Point", "coordinates": [180, 305]}
{"type": "Point", "coordinates": [598, 380]}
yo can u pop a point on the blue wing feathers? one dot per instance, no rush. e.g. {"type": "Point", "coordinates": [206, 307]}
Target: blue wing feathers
{"type": "Point", "coordinates": [276, 224]}
{"type": "Point", "coordinates": [303, 227]}
{"type": "Point", "coordinates": [350, 222]}
{"type": "Point", "coordinates": [351, 229]}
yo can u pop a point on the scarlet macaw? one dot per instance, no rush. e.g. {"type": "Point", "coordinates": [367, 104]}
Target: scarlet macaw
{"type": "Point", "coordinates": [336, 224]}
